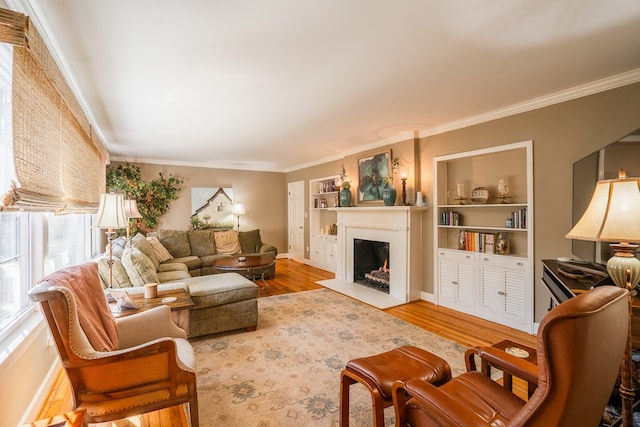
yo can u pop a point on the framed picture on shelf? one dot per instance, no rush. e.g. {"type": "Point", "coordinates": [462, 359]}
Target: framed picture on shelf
{"type": "Point", "coordinates": [371, 171]}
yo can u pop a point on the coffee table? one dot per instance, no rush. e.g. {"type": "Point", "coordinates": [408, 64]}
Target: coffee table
{"type": "Point", "coordinates": [252, 267]}
{"type": "Point", "coordinates": [180, 307]}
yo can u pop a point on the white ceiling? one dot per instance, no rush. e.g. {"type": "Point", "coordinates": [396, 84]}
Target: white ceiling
{"type": "Point", "coordinates": [281, 84]}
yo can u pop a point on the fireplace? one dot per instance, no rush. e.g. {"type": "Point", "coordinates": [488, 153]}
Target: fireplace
{"type": "Point", "coordinates": [371, 264]}
{"type": "Point", "coordinates": [400, 229]}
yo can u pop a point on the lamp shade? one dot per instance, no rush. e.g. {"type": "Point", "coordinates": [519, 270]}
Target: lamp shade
{"type": "Point", "coordinates": [111, 212]}
{"type": "Point", "coordinates": [131, 209]}
{"type": "Point", "coordinates": [238, 209]}
{"type": "Point", "coordinates": [613, 214]}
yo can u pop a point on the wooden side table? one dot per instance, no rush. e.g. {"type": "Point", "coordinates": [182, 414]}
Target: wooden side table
{"type": "Point", "coordinates": [180, 307]}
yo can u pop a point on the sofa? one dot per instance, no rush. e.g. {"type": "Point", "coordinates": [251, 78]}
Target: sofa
{"type": "Point", "coordinates": [198, 248]}
{"type": "Point", "coordinates": [222, 301]}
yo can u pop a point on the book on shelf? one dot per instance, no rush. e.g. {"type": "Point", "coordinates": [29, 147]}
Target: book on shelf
{"type": "Point", "coordinates": [450, 218]}
{"type": "Point", "coordinates": [480, 242]}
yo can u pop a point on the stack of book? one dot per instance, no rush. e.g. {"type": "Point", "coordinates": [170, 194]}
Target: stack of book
{"type": "Point", "coordinates": [519, 218]}
{"type": "Point", "coordinates": [480, 242]}
{"type": "Point", "coordinates": [450, 218]}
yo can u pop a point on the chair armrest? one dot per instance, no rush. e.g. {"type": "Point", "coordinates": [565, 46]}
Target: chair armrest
{"type": "Point", "coordinates": [506, 362]}
{"type": "Point", "coordinates": [442, 408]}
{"type": "Point", "coordinates": [147, 326]}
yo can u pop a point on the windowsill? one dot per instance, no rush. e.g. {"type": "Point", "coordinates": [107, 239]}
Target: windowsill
{"type": "Point", "coordinates": [18, 339]}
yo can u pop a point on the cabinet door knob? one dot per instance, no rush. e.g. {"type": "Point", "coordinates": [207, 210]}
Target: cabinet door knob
{"type": "Point", "coordinates": [501, 293]}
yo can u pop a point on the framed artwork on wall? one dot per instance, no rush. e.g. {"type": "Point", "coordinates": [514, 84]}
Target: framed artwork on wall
{"type": "Point", "coordinates": [371, 171]}
{"type": "Point", "coordinates": [211, 208]}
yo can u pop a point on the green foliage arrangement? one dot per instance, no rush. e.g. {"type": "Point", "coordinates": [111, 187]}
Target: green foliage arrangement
{"type": "Point", "coordinates": [153, 197]}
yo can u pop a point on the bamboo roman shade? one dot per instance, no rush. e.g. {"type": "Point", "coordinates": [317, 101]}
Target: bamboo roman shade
{"type": "Point", "coordinates": [59, 161]}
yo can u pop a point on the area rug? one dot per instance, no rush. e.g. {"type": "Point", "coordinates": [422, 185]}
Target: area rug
{"type": "Point", "coordinates": [287, 372]}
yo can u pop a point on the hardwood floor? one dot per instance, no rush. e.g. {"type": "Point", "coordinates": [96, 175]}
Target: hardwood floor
{"type": "Point", "coordinates": [293, 276]}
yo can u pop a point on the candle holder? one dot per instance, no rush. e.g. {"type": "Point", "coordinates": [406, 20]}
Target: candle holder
{"type": "Point", "coordinates": [403, 200]}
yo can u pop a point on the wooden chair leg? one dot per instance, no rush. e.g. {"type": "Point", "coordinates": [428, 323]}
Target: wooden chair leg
{"type": "Point", "coordinates": [345, 383]}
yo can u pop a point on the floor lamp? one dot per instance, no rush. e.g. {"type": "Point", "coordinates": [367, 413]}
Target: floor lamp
{"type": "Point", "coordinates": [238, 209]}
{"type": "Point", "coordinates": [111, 216]}
{"type": "Point", "coordinates": [612, 216]}
{"type": "Point", "coordinates": [130, 212]}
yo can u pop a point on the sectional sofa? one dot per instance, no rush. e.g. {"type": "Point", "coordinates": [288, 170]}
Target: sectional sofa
{"type": "Point", "coordinates": [174, 258]}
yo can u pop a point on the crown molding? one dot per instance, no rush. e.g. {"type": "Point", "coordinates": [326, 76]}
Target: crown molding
{"type": "Point", "coordinates": [587, 89]}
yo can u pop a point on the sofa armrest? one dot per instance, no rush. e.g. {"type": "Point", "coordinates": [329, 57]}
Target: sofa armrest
{"type": "Point", "coordinates": [266, 248]}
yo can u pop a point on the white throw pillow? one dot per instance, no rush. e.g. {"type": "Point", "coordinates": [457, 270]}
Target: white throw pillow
{"type": "Point", "coordinates": [139, 267]}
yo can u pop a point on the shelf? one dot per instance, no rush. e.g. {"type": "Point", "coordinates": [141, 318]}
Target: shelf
{"type": "Point", "coordinates": [514, 255]}
{"type": "Point", "coordinates": [480, 227]}
{"type": "Point", "coordinates": [485, 205]}
{"type": "Point", "coordinates": [331, 193]}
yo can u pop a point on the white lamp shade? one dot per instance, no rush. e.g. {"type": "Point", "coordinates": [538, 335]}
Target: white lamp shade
{"type": "Point", "coordinates": [131, 209]}
{"type": "Point", "coordinates": [111, 212]}
{"type": "Point", "coordinates": [613, 214]}
{"type": "Point", "coordinates": [238, 209]}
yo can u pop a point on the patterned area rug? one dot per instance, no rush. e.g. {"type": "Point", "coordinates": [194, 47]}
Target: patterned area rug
{"type": "Point", "coordinates": [287, 372]}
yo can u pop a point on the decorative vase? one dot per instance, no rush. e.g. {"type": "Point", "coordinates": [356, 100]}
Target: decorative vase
{"type": "Point", "coordinates": [345, 197]}
{"type": "Point", "coordinates": [389, 195]}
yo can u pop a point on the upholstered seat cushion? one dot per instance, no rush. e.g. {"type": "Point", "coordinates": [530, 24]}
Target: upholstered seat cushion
{"type": "Point", "coordinates": [219, 289]}
{"type": "Point", "coordinates": [191, 261]}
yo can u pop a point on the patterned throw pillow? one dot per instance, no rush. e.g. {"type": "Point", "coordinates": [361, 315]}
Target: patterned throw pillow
{"type": "Point", "coordinates": [162, 254]}
{"type": "Point", "coordinates": [227, 242]}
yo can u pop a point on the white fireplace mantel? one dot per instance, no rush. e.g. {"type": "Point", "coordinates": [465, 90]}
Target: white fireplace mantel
{"type": "Point", "coordinates": [401, 226]}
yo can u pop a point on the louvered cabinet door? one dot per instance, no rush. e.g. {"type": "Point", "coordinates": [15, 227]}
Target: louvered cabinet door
{"type": "Point", "coordinates": [456, 278]}
{"type": "Point", "coordinates": [504, 296]}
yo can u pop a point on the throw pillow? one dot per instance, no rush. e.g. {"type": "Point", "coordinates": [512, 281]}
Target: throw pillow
{"type": "Point", "coordinates": [227, 242]}
{"type": "Point", "coordinates": [140, 242]}
{"type": "Point", "coordinates": [250, 241]}
{"type": "Point", "coordinates": [202, 242]}
{"type": "Point", "coordinates": [162, 254]}
{"type": "Point", "coordinates": [119, 276]}
{"type": "Point", "coordinates": [139, 267]}
{"type": "Point", "coordinates": [176, 242]}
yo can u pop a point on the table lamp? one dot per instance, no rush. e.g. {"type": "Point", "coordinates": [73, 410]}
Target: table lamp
{"type": "Point", "coordinates": [612, 216]}
{"type": "Point", "coordinates": [238, 209]}
{"type": "Point", "coordinates": [131, 211]}
{"type": "Point", "coordinates": [110, 216]}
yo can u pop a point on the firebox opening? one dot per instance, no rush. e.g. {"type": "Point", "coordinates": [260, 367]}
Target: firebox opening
{"type": "Point", "coordinates": [371, 264]}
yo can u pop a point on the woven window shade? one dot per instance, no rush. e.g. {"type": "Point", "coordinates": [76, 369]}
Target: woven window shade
{"type": "Point", "coordinates": [12, 27]}
{"type": "Point", "coordinates": [60, 162]}
{"type": "Point", "coordinates": [36, 138]}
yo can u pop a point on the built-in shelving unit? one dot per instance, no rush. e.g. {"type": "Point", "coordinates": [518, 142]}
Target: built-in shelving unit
{"type": "Point", "coordinates": [323, 240]}
{"type": "Point", "coordinates": [475, 272]}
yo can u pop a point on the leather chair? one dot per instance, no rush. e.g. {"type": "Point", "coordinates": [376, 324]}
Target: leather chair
{"type": "Point", "coordinates": [580, 345]}
{"type": "Point", "coordinates": [152, 365]}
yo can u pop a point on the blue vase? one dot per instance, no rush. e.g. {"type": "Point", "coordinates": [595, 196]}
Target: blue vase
{"type": "Point", "coordinates": [389, 195]}
{"type": "Point", "coordinates": [345, 197]}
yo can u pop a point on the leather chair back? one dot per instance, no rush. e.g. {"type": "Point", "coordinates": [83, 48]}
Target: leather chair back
{"type": "Point", "coordinates": [580, 346]}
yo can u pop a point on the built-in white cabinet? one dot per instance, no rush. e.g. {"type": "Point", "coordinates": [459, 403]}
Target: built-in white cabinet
{"type": "Point", "coordinates": [483, 233]}
{"type": "Point", "coordinates": [457, 278]}
{"type": "Point", "coordinates": [323, 239]}
{"type": "Point", "coordinates": [324, 250]}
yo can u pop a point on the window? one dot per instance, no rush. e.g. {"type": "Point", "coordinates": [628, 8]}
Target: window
{"type": "Point", "coordinates": [68, 241]}
{"type": "Point", "coordinates": [14, 266]}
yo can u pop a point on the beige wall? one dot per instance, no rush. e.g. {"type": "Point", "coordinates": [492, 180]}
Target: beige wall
{"type": "Point", "coordinates": [264, 195]}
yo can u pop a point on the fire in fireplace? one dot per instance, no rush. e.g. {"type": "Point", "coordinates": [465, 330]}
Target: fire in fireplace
{"type": "Point", "coordinates": [371, 264]}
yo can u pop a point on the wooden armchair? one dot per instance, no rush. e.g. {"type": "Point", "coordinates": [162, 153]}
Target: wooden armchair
{"type": "Point", "coordinates": [580, 344]}
{"type": "Point", "coordinates": [150, 366]}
